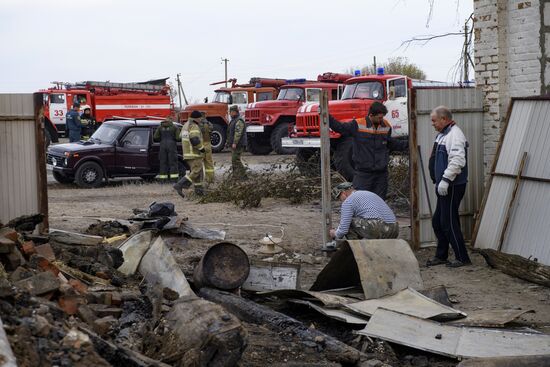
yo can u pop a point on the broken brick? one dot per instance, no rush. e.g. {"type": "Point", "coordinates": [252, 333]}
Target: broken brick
{"type": "Point", "coordinates": [102, 275]}
{"type": "Point", "coordinates": [116, 298]}
{"type": "Point", "coordinates": [70, 304]}
{"type": "Point", "coordinates": [12, 260]}
{"type": "Point", "coordinates": [6, 245]}
{"type": "Point", "coordinates": [108, 298]}
{"type": "Point", "coordinates": [103, 325]}
{"type": "Point", "coordinates": [109, 311]}
{"type": "Point", "coordinates": [78, 286]}
{"type": "Point", "coordinates": [41, 263]}
{"type": "Point", "coordinates": [46, 251]}
{"type": "Point", "coordinates": [28, 248]}
{"type": "Point", "coordinates": [9, 233]}
{"type": "Point", "coordinates": [40, 283]}
{"type": "Point", "coordinates": [86, 314]}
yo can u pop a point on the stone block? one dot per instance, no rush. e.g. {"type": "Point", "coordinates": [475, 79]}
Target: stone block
{"type": "Point", "coordinates": [86, 314]}
{"type": "Point", "coordinates": [39, 284]}
{"type": "Point", "coordinates": [46, 251]}
{"type": "Point", "coordinates": [103, 325]}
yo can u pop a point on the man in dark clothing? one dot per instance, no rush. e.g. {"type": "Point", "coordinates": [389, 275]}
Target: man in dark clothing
{"type": "Point", "coordinates": [167, 134]}
{"type": "Point", "coordinates": [236, 140]}
{"type": "Point", "coordinates": [73, 125]}
{"type": "Point", "coordinates": [88, 121]}
{"type": "Point", "coordinates": [372, 144]}
{"type": "Point", "coordinates": [449, 172]}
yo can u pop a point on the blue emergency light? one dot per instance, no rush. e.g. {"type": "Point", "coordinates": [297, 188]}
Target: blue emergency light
{"type": "Point", "coordinates": [357, 72]}
{"type": "Point", "coordinates": [380, 71]}
{"type": "Point", "coordinates": [258, 85]}
{"type": "Point", "coordinates": [295, 81]}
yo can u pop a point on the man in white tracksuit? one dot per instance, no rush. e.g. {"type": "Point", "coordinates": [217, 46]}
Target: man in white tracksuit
{"type": "Point", "coordinates": [449, 172]}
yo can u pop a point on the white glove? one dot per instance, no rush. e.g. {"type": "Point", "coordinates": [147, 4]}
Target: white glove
{"type": "Point", "coordinates": [443, 188]}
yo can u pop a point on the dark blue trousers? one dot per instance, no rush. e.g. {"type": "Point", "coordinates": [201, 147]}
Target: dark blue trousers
{"type": "Point", "coordinates": [446, 224]}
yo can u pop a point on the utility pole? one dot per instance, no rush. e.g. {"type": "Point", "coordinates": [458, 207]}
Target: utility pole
{"type": "Point", "coordinates": [225, 61]}
{"type": "Point", "coordinates": [180, 91]}
{"type": "Point", "coordinates": [466, 56]}
{"type": "Point", "coordinates": [325, 167]}
{"type": "Point", "coordinates": [375, 70]}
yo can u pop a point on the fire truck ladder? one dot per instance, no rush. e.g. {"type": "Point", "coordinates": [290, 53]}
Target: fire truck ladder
{"type": "Point", "coordinates": [144, 87]}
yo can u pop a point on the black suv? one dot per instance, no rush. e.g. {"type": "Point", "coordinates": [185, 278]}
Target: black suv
{"type": "Point", "coordinates": [118, 148]}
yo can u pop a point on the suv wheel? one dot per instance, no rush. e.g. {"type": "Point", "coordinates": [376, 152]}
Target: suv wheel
{"type": "Point", "coordinates": [89, 175]}
{"type": "Point", "coordinates": [62, 179]}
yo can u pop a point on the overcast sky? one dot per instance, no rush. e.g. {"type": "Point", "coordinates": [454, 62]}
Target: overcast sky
{"type": "Point", "coordinates": [135, 40]}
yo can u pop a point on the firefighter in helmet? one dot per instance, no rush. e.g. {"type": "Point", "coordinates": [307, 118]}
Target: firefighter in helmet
{"type": "Point", "coordinates": [193, 153]}
{"type": "Point", "coordinates": [167, 134]}
{"type": "Point", "coordinates": [206, 130]}
{"type": "Point", "coordinates": [236, 140]}
{"type": "Point", "coordinates": [73, 125]}
{"type": "Point", "coordinates": [88, 122]}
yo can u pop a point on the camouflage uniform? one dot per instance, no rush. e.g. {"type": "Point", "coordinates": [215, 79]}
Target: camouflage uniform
{"type": "Point", "coordinates": [206, 130]}
{"type": "Point", "coordinates": [193, 152]}
{"type": "Point", "coordinates": [236, 134]}
{"type": "Point", "coordinates": [167, 135]}
{"type": "Point", "coordinates": [371, 229]}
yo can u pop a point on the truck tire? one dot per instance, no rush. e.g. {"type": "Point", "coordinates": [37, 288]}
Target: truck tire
{"type": "Point", "coordinates": [308, 161]}
{"type": "Point", "coordinates": [257, 146]}
{"type": "Point", "coordinates": [280, 131]}
{"type": "Point", "coordinates": [218, 137]}
{"type": "Point", "coordinates": [62, 179]}
{"type": "Point", "coordinates": [89, 175]}
{"type": "Point", "coordinates": [343, 159]}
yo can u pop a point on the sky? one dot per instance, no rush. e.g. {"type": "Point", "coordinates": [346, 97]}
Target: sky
{"type": "Point", "coordinates": [137, 40]}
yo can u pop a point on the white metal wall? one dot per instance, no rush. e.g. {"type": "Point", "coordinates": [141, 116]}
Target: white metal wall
{"type": "Point", "coordinates": [528, 230]}
{"type": "Point", "coordinates": [467, 108]}
{"type": "Point", "coordinates": [18, 162]}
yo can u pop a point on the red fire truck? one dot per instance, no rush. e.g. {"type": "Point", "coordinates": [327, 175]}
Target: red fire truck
{"type": "Point", "coordinates": [217, 111]}
{"type": "Point", "coordinates": [268, 121]}
{"type": "Point", "coordinates": [106, 100]}
{"type": "Point", "coordinates": [359, 94]}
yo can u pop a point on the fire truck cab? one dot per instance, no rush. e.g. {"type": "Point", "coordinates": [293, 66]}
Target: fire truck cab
{"type": "Point", "coordinates": [106, 100]}
{"type": "Point", "coordinates": [268, 122]}
{"type": "Point", "coordinates": [217, 111]}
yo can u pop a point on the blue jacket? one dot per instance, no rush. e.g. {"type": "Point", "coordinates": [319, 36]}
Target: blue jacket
{"type": "Point", "coordinates": [74, 127]}
{"type": "Point", "coordinates": [448, 161]}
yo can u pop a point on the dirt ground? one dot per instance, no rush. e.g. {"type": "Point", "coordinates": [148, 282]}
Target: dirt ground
{"type": "Point", "coordinates": [471, 288]}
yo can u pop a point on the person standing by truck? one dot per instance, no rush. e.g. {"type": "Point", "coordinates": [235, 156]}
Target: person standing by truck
{"type": "Point", "coordinates": [193, 152]}
{"type": "Point", "coordinates": [208, 161]}
{"type": "Point", "coordinates": [73, 124]}
{"type": "Point", "coordinates": [449, 172]}
{"type": "Point", "coordinates": [236, 140]}
{"type": "Point", "coordinates": [372, 144]}
{"type": "Point", "coordinates": [167, 134]}
{"type": "Point", "coordinates": [88, 121]}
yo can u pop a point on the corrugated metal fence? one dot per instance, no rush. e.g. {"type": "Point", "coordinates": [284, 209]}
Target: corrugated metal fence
{"type": "Point", "coordinates": [467, 108]}
{"type": "Point", "coordinates": [22, 160]}
{"type": "Point", "coordinates": [526, 212]}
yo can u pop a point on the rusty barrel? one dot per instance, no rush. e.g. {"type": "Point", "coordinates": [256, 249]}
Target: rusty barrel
{"type": "Point", "coordinates": [224, 266]}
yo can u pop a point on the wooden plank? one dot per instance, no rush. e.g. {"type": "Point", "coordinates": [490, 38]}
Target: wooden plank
{"type": "Point", "coordinates": [453, 341]}
{"type": "Point", "coordinates": [269, 276]}
{"type": "Point", "coordinates": [409, 302]}
{"type": "Point", "coordinates": [326, 220]}
{"type": "Point", "coordinates": [42, 176]}
{"type": "Point", "coordinates": [512, 201]}
{"type": "Point", "coordinates": [72, 238]}
{"type": "Point", "coordinates": [340, 315]}
{"type": "Point", "coordinates": [413, 169]}
{"type": "Point", "coordinates": [380, 267]}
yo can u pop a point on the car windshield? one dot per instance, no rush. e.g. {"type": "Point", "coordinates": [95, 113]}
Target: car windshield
{"type": "Point", "coordinates": [364, 90]}
{"type": "Point", "coordinates": [291, 94]}
{"type": "Point", "coordinates": [221, 97]}
{"type": "Point", "coordinates": [106, 133]}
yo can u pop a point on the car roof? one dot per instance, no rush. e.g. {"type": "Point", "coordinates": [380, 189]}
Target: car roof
{"type": "Point", "coordinates": [136, 122]}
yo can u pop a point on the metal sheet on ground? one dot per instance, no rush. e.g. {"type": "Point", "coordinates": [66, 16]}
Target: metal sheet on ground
{"type": "Point", "coordinates": [267, 276]}
{"type": "Point", "coordinates": [133, 250]}
{"type": "Point", "coordinates": [409, 302]}
{"type": "Point", "coordinates": [489, 318]}
{"type": "Point", "coordinates": [340, 315]}
{"type": "Point", "coordinates": [453, 341]}
{"type": "Point", "coordinates": [202, 233]}
{"type": "Point", "coordinates": [380, 267]}
{"type": "Point", "coordinates": [328, 300]}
